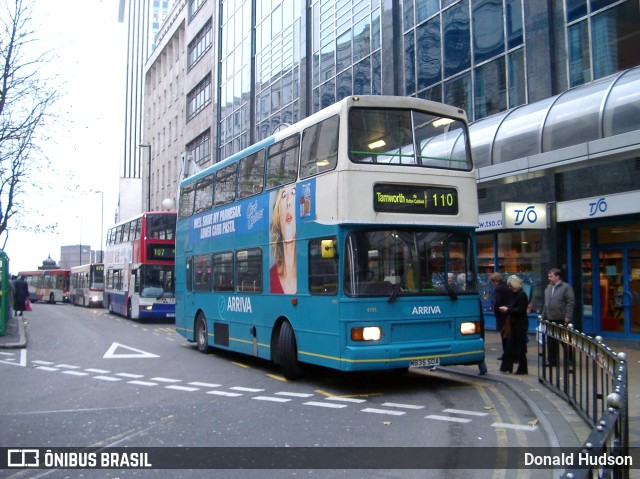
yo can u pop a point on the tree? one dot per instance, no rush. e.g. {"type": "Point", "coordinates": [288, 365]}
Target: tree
{"type": "Point", "coordinates": [25, 102]}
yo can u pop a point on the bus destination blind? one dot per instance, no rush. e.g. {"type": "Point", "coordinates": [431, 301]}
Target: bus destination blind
{"type": "Point", "coordinates": [432, 200]}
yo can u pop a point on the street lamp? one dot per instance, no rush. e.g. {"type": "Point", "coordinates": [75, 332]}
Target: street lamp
{"type": "Point", "coordinates": [149, 177]}
{"type": "Point", "coordinates": [101, 224]}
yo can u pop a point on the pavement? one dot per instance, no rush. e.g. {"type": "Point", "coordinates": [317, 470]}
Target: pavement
{"type": "Point", "coordinates": [561, 422]}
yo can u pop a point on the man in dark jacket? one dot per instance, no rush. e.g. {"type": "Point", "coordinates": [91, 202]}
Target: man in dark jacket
{"type": "Point", "coordinates": [559, 303]}
{"type": "Point", "coordinates": [502, 296]}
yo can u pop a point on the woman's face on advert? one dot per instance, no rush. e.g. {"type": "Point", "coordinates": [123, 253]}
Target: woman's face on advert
{"type": "Point", "coordinates": [287, 212]}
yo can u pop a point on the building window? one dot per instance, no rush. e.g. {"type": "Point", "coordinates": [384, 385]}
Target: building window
{"type": "Point", "coordinates": [346, 50]}
{"type": "Point", "coordinates": [468, 54]}
{"type": "Point", "coordinates": [601, 39]}
{"type": "Point", "coordinates": [199, 97]}
{"type": "Point", "coordinates": [194, 7]}
{"type": "Point", "coordinates": [200, 148]}
{"type": "Point", "coordinates": [199, 45]}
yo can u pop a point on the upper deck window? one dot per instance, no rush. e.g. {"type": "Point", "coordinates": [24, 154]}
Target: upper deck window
{"type": "Point", "coordinates": [408, 138]}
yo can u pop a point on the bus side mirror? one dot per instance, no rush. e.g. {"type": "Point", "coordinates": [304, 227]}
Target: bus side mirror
{"type": "Point", "coordinates": [328, 249]}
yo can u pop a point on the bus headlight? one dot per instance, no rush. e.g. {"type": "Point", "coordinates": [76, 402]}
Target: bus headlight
{"type": "Point", "coordinates": [470, 328]}
{"type": "Point", "coordinates": [148, 308]}
{"type": "Point", "coordinates": [94, 299]}
{"type": "Point", "coordinates": [366, 333]}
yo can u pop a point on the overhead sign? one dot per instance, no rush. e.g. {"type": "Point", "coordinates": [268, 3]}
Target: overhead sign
{"type": "Point", "coordinates": [598, 206]}
{"type": "Point", "coordinates": [528, 216]}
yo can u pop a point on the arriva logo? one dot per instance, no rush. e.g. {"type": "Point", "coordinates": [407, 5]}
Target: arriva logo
{"type": "Point", "coordinates": [239, 305]}
{"type": "Point", "coordinates": [426, 310]}
{"type": "Point", "coordinates": [600, 205]}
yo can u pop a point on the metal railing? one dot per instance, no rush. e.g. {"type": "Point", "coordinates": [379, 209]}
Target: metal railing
{"type": "Point", "coordinates": [593, 379]}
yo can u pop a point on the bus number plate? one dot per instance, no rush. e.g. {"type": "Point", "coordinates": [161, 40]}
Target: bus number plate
{"type": "Point", "coordinates": [425, 363]}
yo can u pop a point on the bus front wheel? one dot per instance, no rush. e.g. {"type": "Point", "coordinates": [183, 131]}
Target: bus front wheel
{"type": "Point", "coordinates": [288, 351]}
{"type": "Point", "coordinates": [202, 335]}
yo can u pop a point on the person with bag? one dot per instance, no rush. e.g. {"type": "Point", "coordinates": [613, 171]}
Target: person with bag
{"type": "Point", "coordinates": [519, 324]}
{"type": "Point", "coordinates": [21, 296]}
{"type": "Point", "coordinates": [502, 296]}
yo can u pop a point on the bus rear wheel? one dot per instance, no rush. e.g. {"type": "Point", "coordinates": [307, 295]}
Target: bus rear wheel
{"type": "Point", "coordinates": [288, 351]}
{"type": "Point", "coordinates": [202, 335]}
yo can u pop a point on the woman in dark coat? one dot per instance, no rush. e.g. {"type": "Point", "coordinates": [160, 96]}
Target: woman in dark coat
{"type": "Point", "coordinates": [517, 342]}
{"type": "Point", "coordinates": [21, 295]}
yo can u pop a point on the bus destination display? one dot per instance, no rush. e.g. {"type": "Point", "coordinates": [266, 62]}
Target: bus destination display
{"type": "Point", "coordinates": [416, 199]}
{"type": "Point", "coordinates": [161, 252]}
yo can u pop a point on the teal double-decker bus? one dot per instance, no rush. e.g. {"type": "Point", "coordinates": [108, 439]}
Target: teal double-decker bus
{"type": "Point", "coordinates": [346, 240]}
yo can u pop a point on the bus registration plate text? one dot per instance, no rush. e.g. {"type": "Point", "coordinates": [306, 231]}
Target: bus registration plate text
{"type": "Point", "coordinates": [424, 363]}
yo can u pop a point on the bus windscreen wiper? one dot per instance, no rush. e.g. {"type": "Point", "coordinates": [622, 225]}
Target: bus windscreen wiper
{"type": "Point", "coordinates": [452, 293]}
{"type": "Point", "coordinates": [396, 290]}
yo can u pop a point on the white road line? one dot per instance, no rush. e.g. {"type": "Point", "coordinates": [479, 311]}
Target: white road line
{"type": "Point", "coordinates": [324, 404]}
{"type": "Point", "coordinates": [465, 413]}
{"type": "Point", "coordinates": [142, 383]}
{"type": "Point", "coordinates": [67, 366]}
{"type": "Point", "coordinates": [204, 385]}
{"type": "Point", "coordinates": [224, 393]}
{"type": "Point", "coordinates": [47, 368]}
{"type": "Point", "coordinates": [270, 398]}
{"type": "Point", "coordinates": [182, 388]}
{"type": "Point", "coordinates": [166, 380]}
{"type": "Point", "coordinates": [402, 406]}
{"type": "Point", "coordinates": [248, 390]}
{"type": "Point", "coordinates": [519, 427]}
{"type": "Point", "coordinates": [75, 373]}
{"type": "Point", "coordinates": [6, 354]}
{"type": "Point", "coordinates": [383, 411]}
{"type": "Point", "coordinates": [98, 371]}
{"type": "Point", "coordinates": [130, 376]}
{"type": "Point", "coordinates": [107, 378]}
{"type": "Point", "coordinates": [46, 363]}
{"type": "Point", "coordinates": [336, 398]}
{"type": "Point", "coordinates": [295, 395]}
{"type": "Point", "coordinates": [447, 418]}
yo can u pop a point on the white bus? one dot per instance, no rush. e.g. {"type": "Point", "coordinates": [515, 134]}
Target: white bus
{"type": "Point", "coordinates": [87, 285]}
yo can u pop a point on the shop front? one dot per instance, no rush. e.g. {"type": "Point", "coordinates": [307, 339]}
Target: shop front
{"type": "Point", "coordinates": [605, 232]}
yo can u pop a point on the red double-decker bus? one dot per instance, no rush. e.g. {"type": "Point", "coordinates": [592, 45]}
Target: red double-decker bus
{"type": "Point", "coordinates": [139, 267]}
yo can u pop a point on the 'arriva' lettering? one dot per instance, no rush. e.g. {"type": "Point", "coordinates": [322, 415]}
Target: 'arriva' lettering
{"type": "Point", "coordinates": [426, 310]}
{"type": "Point", "coordinates": [239, 304]}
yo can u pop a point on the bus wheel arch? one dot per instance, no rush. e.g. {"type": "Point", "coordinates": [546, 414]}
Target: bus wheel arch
{"type": "Point", "coordinates": [284, 349]}
{"type": "Point", "coordinates": [52, 298]}
{"type": "Point", "coordinates": [201, 333]}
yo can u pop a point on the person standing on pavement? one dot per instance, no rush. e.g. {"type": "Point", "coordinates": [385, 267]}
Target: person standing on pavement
{"type": "Point", "coordinates": [21, 295]}
{"type": "Point", "coordinates": [559, 303]}
{"type": "Point", "coordinates": [519, 321]}
{"type": "Point", "coordinates": [502, 296]}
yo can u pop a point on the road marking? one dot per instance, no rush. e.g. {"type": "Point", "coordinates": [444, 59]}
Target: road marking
{"type": "Point", "coordinates": [67, 366]}
{"type": "Point", "coordinates": [447, 418]}
{"type": "Point", "coordinates": [247, 390]}
{"type": "Point", "coordinates": [402, 406]}
{"type": "Point", "coordinates": [224, 393]}
{"type": "Point", "coordinates": [75, 373]}
{"type": "Point", "coordinates": [46, 368]}
{"type": "Point", "coordinates": [107, 378]}
{"type": "Point", "coordinates": [463, 412]}
{"type": "Point", "coordinates": [130, 376]}
{"type": "Point", "coordinates": [98, 371]}
{"type": "Point", "coordinates": [204, 385]}
{"type": "Point", "coordinates": [45, 363]}
{"type": "Point", "coordinates": [270, 398]}
{"type": "Point", "coordinates": [182, 388]}
{"type": "Point", "coordinates": [166, 380]}
{"type": "Point", "coordinates": [142, 383]}
{"type": "Point", "coordinates": [352, 400]}
{"type": "Point", "coordinates": [383, 411]}
{"type": "Point", "coordinates": [12, 360]}
{"type": "Point", "coordinates": [519, 427]}
{"type": "Point", "coordinates": [295, 395]}
{"type": "Point", "coordinates": [324, 404]}
{"type": "Point", "coordinates": [137, 353]}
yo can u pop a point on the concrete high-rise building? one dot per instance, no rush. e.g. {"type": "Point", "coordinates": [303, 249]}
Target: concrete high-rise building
{"type": "Point", "coordinates": [552, 91]}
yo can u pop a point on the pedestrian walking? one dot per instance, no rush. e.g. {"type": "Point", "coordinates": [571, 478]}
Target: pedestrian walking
{"type": "Point", "coordinates": [502, 296]}
{"type": "Point", "coordinates": [21, 295]}
{"type": "Point", "coordinates": [519, 321]}
{"type": "Point", "coordinates": [559, 303]}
